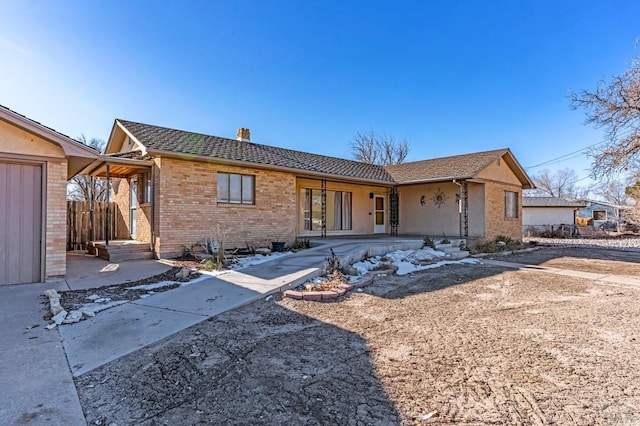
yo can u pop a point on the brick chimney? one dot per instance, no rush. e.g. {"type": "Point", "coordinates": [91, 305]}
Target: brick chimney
{"type": "Point", "coordinates": [243, 135]}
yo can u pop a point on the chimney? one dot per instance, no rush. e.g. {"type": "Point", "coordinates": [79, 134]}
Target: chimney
{"type": "Point", "coordinates": [243, 135]}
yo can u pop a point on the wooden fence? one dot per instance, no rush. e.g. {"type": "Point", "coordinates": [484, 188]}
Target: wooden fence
{"type": "Point", "coordinates": [79, 227]}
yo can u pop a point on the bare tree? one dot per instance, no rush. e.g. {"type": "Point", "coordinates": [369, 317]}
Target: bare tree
{"type": "Point", "coordinates": [561, 183]}
{"type": "Point", "coordinates": [381, 149]}
{"type": "Point", "coordinates": [615, 192]}
{"type": "Point", "coordinates": [615, 107]}
{"type": "Point", "coordinates": [88, 188]}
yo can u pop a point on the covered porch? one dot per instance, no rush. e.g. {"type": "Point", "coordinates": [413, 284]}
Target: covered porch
{"type": "Point", "coordinates": [130, 187]}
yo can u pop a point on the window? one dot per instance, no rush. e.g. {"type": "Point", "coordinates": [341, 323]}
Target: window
{"type": "Point", "coordinates": [235, 188]}
{"type": "Point", "coordinates": [338, 210]}
{"type": "Point", "coordinates": [599, 214]}
{"type": "Point", "coordinates": [511, 204]}
{"type": "Point", "coordinates": [141, 186]}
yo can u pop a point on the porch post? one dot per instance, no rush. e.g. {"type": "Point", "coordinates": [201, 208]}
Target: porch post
{"type": "Point", "coordinates": [108, 218]}
{"type": "Point", "coordinates": [323, 209]}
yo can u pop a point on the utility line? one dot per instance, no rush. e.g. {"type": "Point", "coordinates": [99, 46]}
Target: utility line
{"type": "Point", "coordinates": [575, 154]}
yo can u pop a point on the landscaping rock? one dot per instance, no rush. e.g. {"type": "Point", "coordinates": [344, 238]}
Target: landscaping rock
{"type": "Point", "coordinates": [54, 301]}
{"type": "Point", "coordinates": [73, 317]}
{"type": "Point", "coordinates": [60, 317]}
{"type": "Point", "coordinates": [183, 274]}
{"type": "Point", "coordinates": [87, 313]}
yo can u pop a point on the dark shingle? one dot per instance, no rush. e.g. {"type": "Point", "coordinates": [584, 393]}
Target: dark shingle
{"type": "Point", "coordinates": [455, 167]}
{"type": "Point", "coordinates": [171, 140]}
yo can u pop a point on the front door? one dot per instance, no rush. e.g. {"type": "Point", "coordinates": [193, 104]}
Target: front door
{"type": "Point", "coordinates": [379, 210]}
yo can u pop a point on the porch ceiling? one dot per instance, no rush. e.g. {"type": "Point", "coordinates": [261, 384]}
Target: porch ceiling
{"type": "Point", "coordinates": [118, 167]}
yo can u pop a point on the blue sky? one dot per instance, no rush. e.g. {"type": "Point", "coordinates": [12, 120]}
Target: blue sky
{"type": "Point", "coordinates": [448, 76]}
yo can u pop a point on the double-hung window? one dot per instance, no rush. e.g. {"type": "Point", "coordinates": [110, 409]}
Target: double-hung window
{"type": "Point", "coordinates": [235, 188]}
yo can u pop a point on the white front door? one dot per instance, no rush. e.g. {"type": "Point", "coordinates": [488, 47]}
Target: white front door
{"type": "Point", "coordinates": [379, 210]}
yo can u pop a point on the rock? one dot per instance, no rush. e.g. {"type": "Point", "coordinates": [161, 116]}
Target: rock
{"type": "Point", "coordinates": [263, 251]}
{"type": "Point", "coordinates": [103, 300]}
{"type": "Point", "coordinates": [350, 270]}
{"type": "Point", "coordinates": [93, 297]}
{"type": "Point", "coordinates": [359, 290]}
{"type": "Point", "coordinates": [268, 299]}
{"type": "Point", "coordinates": [51, 326]}
{"type": "Point", "coordinates": [87, 313]}
{"type": "Point", "coordinates": [73, 317]}
{"type": "Point", "coordinates": [58, 318]}
{"type": "Point", "coordinates": [183, 274]}
{"type": "Point", "coordinates": [54, 301]}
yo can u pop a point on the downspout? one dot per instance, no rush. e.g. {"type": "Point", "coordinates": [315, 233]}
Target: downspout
{"type": "Point", "coordinates": [459, 207]}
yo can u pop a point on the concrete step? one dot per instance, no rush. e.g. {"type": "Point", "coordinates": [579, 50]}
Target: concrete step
{"type": "Point", "coordinates": [452, 250]}
{"type": "Point", "coordinates": [122, 257]}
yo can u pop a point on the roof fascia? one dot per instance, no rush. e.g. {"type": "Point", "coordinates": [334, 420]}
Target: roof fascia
{"type": "Point", "coordinates": [71, 148]}
{"type": "Point", "coordinates": [118, 125]}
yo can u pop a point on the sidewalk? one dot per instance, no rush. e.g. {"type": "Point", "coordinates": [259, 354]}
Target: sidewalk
{"type": "Point", "coordinates": [131, 326]}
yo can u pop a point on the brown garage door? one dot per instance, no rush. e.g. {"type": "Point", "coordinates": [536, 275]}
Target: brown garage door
{"type": "Point", "coordinates": [20, 222]}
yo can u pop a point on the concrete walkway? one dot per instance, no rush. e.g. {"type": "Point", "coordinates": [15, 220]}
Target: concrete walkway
{"type": "Point", "coordinates": [131, 326]}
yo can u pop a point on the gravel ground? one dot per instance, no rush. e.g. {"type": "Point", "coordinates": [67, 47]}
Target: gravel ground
{"type": "Point", "coordinates": [625, 243]}
{"type": "Point", "coordinates": [464, 344]}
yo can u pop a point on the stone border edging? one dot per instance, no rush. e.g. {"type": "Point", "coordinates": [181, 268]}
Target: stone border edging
{"type": "Point", "coordinates": [317, 296]}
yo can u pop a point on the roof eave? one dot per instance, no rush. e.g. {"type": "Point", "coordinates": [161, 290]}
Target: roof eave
{"type": "Point", "coordinates": [299, 172]}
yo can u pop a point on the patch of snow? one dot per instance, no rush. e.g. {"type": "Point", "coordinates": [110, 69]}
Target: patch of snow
{"type": "Point", "coordinates": [406, 261]}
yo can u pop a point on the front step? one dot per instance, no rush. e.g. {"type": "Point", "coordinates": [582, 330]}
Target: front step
{"type": "Point", "coordinates": [452, 250]}
{"type": "Point", "coordinates": [121, 250]}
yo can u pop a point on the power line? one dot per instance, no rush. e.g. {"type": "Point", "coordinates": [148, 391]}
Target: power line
{"type": "Point", "coordinates": [575, 154]}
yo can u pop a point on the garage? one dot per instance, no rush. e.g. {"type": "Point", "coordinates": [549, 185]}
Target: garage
{"type": "Point", "coordinates": [20, 222]}
{"type": "Point", "coordinates": [35, 164]}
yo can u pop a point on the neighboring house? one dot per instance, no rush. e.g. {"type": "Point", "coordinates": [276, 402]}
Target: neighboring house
{"type": "Point", "coordinates": [175, 188]}
{"type": "Point", "coordinates": [542, 213]}
{"type": "Point", "coordinates": [595, 212]}
{"type": "Point", "coordinates": [35, 163]}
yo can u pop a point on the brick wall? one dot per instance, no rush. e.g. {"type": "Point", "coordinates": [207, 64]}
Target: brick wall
{"type": "Point", "coordinates": [187, 210]}
{"type": "Point", "coordinates": [56, 219]}
{"type": "Point", "coordinates": [496, 222]}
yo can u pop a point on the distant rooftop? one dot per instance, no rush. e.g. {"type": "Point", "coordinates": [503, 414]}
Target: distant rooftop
{"type": "Point", "coordinates": [551, 202]}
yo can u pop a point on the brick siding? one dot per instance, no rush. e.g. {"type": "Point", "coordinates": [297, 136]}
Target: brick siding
{"type": "Point", "coordinates": [187, 210]}
{"type": "Point", "coordinates": [496, 222]}
{"type": "Point", "coordinates": [56, 219]}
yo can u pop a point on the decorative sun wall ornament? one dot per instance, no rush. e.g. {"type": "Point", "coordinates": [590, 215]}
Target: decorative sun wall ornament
{"type": "Point", "coordinates": [439, 198]}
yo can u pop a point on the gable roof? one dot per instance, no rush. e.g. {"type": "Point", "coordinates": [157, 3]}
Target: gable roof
{"type": "Point", "coordinates": [551, 202]}
{"type": "Point", "coordinates": [172, 142]}
{"type": "Point", "coordinates": [165, 140]}
{"type": "Point", "coordinates": [78, 154]}
{"type": "Point", "coordinates": [466, 166]}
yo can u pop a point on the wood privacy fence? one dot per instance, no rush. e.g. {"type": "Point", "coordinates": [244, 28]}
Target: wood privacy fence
{"type": "Point", "coordinates": [79, 223]}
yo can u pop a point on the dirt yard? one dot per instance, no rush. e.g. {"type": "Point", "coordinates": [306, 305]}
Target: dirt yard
{"type": "Point", "coordinates": [475, 344]}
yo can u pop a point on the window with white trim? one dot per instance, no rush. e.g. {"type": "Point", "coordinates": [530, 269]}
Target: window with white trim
{"type": "Point", "coordinates": [235, 188]}
{"type": "Point", "coordinates": [510, 204]}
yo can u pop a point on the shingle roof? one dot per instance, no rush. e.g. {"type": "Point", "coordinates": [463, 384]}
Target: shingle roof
{"type": "Point", "coordinates": [156, 138]}
{"type": "Point", "coordinates": [454, 167]}
{"type": "Point", "coordinates": [551, 202]}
